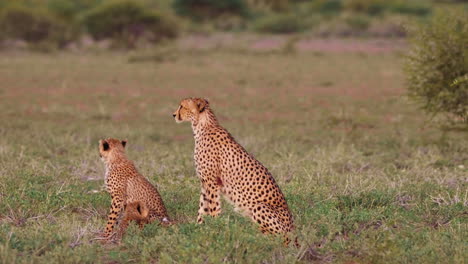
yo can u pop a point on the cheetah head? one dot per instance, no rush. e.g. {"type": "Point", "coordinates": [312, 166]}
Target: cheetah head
{"type": "Point", "coordinates": [110, 147]}
{"type": "Point", "coordinates": [190, 110]}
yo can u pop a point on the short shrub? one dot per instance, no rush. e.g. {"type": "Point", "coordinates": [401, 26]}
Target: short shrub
{"type": "Point", "coordinates": [327, 6]}
{"type": "Point", "coordinates": [279, 23]}
{"type": "Point", "coordinates": [451, 1]}
{"type": "Point", "coordinates": [229, 23]}
{"type": "Point", "coordinates": [270, 5]}
{"type": "Point", "coordinates": [370, 7]}
{"type": "Point", "coordinates": [358, 22]}
{"type": "Point", "coordinates": [206, 9]}
{"type": "Point", "coordinates": [68, 10]}
{"type": "Point", "coordinates": [128, 21]}
{"type": "Point", "coordinates": [437, 66]}
{"type": "Point", "coordinates": [417, 8]}
{"type": "Point", "coordinates": [32, 25]}
{"type": "Point", "coordinates": [376, 7]}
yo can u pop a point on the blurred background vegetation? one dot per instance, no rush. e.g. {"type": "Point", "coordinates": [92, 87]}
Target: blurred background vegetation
{"type": "Point", "coordinates": [436, 68]}
{"type": "Point", "coordinates": [52, 24]}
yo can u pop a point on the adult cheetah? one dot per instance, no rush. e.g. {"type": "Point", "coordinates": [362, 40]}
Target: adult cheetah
{"type": "Point", "coordinates": [129, 189]}
{"type": "Point", "coordinates": [225, 168]}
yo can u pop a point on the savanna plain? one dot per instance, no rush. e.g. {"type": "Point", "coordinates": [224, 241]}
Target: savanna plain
{"type": "Point", "coordinates": [368, 176]}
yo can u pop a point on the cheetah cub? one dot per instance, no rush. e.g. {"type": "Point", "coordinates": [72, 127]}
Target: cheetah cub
{"type": "Point", "coordinates": [133, 196]}
{"type": "Point", "coordinates": [226, 168]}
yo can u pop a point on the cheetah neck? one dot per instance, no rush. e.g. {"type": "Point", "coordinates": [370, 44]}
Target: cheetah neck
{"type": "Point", "coordinates": [114, 161]}
{"type": "Point", "coordinates": [206, 120]}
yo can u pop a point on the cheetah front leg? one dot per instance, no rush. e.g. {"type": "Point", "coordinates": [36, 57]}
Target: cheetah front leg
{"type": "Point", "coordinates": [116, 208]}
{"type": "Point", "coordinates": [210, 202]}
{"type": "Point", "coordinates": [203, 208]}
{"type": "Point", "coordinates": [214, 200]}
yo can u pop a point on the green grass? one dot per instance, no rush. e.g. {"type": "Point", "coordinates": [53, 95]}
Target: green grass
{"type": "Point", "coordinates": [367, 176]}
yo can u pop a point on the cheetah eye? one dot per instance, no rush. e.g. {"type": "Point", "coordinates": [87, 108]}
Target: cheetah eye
{"type": "Point", "coordinates": [105, 146]}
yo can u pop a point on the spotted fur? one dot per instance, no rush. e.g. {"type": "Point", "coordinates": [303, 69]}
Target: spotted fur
{"type": "Point", "coordinates": [128, 189]}
{"type": "Point", "coordinates": [226, 168]}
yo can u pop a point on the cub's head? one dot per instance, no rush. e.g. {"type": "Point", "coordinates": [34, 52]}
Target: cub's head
{"type": "Point", "coordinates": [111, 147]}
{"type": "Point", "coordinates": [190, 110]}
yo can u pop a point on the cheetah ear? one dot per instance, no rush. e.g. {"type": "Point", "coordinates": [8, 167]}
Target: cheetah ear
{"type": "Point", "coordinates": [105, 145]}
{"type": "Point", "coordinates": [201, 104]}
{"type": "Point", "coordinates": [124, 142]}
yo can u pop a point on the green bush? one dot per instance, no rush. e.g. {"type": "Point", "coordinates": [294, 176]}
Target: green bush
{"type": "Point", "coordinates": [69, 10]}
{"type": "Point", "coordinates": [451, 1]}
{"type": "Point", "coordinates": [371, 7]}
{"type": "Point", "coordinates": [437, 66]}
{"type": "Point", "coordinates": [279, 23]}
{"type": "Point", "coordinates": [376, 7]}
{"type": "Point", "coordinates": [206, 9]}
{"type": "Point", "coordinates": [417, 8]}
{"type": "Point", "coordinates": [358, 22]}
{"type": "Point", "coordinates": [128, 21]}
{"type": "Point", "coordinates": [229, 23]}
{"type": "Point", "coordinates": [327, 6]}
{"type": "Point", "coordinates": [32, 25]}
{"type": "Point", "coordinates": [270, 5]}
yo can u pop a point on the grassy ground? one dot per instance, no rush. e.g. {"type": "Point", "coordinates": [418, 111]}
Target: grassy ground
{"type": "Point", "coordinates": [369, 179]}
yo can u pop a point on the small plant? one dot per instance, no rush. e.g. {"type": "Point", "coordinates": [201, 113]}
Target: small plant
{"type": "Point", "coordinates": [289, 46]}
{"type": "Point", "coordinates": [206, 9]}
{"type": "Point", "coordinates": [279, 23]}
{"type": "Point", "coordinates": [371, 7]}
{"type": "Point", "coordinates": [270, 5]}
{"type": "Point", "coordinates": [69, 10]}
{"type": "Point", "coordinates": [437, 64]}
{"type": "Point", "coordinates": [418, 8]}
{"type": "Point", "coordinates": [377, 7]}
{"type": "Point", "coordinates": [327, 6]}
{"type": "Point", "coordinates": [358, 22]}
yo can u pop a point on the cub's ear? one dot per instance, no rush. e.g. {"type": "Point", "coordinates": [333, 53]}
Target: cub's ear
{"type": "Point", "coordinates": [105, 145]}
{"type": "Point", "coordinates": [201, 104]}
{"type": "Point", "coordinates": [124, 142]}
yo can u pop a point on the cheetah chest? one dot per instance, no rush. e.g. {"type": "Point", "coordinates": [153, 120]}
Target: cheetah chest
{"type": "Point", "coordinates": [206, 162]}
